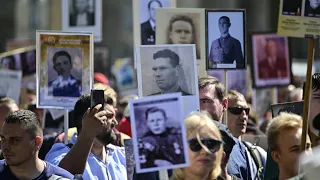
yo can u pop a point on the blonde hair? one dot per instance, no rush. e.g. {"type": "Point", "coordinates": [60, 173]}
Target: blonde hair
{"type": "Point", "coordinates": [194, 122]}
{"type": "Point", "coordinates": [284, 121]}
{"type": "Point", "coordinates": [109, 92]}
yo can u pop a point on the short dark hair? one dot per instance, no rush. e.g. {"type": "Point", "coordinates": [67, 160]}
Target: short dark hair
{"type": "Point", "coordinates": [153, 110]}
{"type": "Point", "coordinates": [167, 53]}
{"type": "Point", "coordinates": [185, 19]}
{"type": "Point", "coordinates": [61, 53]}
{"type": "Point", "coordinates": [204, 82]}
{"type": "Point", "coordinates": [28, 121]}
{"type": "Point", "coordinates": [225, 17]}
{"type": "Point", "coordinates": [80, 108]}
{"type": "Point", "coordinates": [149, 4]}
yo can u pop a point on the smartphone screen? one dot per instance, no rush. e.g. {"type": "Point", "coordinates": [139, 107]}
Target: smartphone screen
{"type": "Point", "coordinates": [97, 97]}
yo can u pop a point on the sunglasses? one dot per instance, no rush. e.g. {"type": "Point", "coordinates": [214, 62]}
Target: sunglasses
{"type": "Point", "coordinates": [238, 111]}
{"type": "Point", "coordinates": [212, 144]}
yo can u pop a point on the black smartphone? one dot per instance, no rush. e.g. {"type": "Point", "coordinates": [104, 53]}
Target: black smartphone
{"type": "Point", "coordinates": [97, 97]}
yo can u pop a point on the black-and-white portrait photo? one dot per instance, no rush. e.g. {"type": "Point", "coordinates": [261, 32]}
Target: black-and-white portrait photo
{"type": "Point", "coordinates": [225, 39]}
{"type": "Point", "coordinates": [28, 61]}
{"type": "Point", "coordinates": [81, 13]}
{"type": "Point", "coordinates": [167, 69]}
{"type": "Point", "coordinates": [82, 16]}
{"type": "Point", "coordinates": [292, 7]}
{"type": "Point", "coordinates": [291, 107]}
{"type": "Point", "coordinates": [64, 75]}
{"type": "Point", "coordinates": [160, 133]}
{"type": "Point", "coordinates": [312, 8]}
{"type": "Point", "coordinates": [9, 62]}
{"type": "Point", "coordinates": [148, 19]}
{"type": "Point", "coordinates": [181, 26]}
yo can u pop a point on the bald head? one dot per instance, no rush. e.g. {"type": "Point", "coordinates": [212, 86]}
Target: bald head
{"type": "Point", "coordinates": [7, 105]}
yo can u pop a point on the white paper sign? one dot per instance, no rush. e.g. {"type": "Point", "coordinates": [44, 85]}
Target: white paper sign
{"type": "Point", "coordinates": [10, 84]}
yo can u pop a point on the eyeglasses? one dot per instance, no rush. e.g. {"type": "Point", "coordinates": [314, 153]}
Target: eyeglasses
{"type": "Point", "coordinates": [238, 111]}
{"type": "Point", "coordinates": [212, 144]}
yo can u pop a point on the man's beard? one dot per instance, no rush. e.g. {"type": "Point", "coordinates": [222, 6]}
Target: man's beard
{"type": "Point", "coordinates": [106, 136]}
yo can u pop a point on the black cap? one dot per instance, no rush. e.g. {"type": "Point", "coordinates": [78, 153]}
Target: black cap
{"type": "Point", "coordinates": [227, 138]}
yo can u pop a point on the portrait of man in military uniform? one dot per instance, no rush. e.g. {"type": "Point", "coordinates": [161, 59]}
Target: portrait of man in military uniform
{"type": "Point", "coordinates": [148, 28]}
{"type": "Point", "coordinates": [166, 66]}
{"type": "Point", "coordinates": [225, 51]}
{"type": "Point", "coordinates": [160, 145]}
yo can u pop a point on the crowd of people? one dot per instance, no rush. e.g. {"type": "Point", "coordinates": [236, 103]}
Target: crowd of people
{"type": "Point", "coordinates": [96, 138]}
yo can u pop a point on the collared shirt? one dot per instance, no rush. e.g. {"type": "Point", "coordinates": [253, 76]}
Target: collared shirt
{"type": "Point", "coordinates": [70, 87]}
{"type": "Point", "coordinates": [153, 25]}
{"type": "Point", "coordinates": [114, 169]}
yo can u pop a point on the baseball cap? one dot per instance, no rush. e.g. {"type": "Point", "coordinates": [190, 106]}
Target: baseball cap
{"type": "Point", "coordinates": [101, 78]}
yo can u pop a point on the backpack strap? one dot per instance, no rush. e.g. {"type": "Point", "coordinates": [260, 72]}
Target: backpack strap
{"type": "Point", "coordinates": [69, 145]}
{"type": "Point", "coordinates": [255, 154]}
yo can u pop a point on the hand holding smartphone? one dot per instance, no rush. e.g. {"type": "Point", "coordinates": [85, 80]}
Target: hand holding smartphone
{"type": "Point", "coordinates": [97, 97]}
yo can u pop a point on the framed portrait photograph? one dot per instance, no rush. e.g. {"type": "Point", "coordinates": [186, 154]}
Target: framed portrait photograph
{"type": "Point", "coordinates": [311, 8]}
{"type": "Point", "coordinates": [150, 118]}
{"type": "Point", "coordinates": [64, 68]}
{"type": "Point", "coordinates": [292, 7]}
{"type": "Point", "coordinates": [236, 79]}
{"type": "Point", "coordinates": [271, 61]}
{"type": "Point", "coordinates": [183, 26]}
{"type": "Point", "coordinates": [125, 74]}
{"type": "Point", "coordinates": [164, 69]}
{"type": "Point", "coordinates": [226, 39]}
{"type": "Point", "coordinates": [291, 107]}
{"type": "Point", "coordinates": [144, 19]}
{"type": "Point", "coordinates": [10, 85]}
{"type": "Point", "coordinates": [82, 16]}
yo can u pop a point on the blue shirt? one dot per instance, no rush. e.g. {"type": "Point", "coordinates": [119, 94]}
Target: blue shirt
{"type": "Point", "coordinates": [46, 173]}
{"type": "Point", "coordinates": [238, 164]}
{"type": "Point", "coordinates": [70, 87]}
{"type": "Point", "coordinates": [114, 169]}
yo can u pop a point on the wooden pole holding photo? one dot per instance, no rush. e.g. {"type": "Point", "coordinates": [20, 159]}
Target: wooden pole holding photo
{"type": "Point", "coordinates": [225, 117]}
{"type": "Point", "coordinates": [307, 94]}
{"type": "Point", "coordinates": [274, 95]}
{"type": "Point", "coordinates": [66, 126]}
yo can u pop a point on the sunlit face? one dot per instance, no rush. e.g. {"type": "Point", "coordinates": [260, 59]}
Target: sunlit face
{"type": "Point", "coordinates": [165, 74]}
{"type": "Point", "coordinates": [81, 5]}
{"type": "Point", "coordinates": [210, 102]}
{"type": "Point", "coordinates": [152, 10]}
{"type": "Point", "coordinates": [17, 146]}
{"type": "Point", "coordinates": [181, 33]}
{"type": "Point", "coordinates": [224, 26]}
{"type": "Point", "coordinates": [203, 162]}
{"type": "Point", "coordinates": [287, 155]}
{"type": "Point", "coordinates": [237, 123]}
{"type": "Point", "coordinates": [63, 66]}
{"type": "Point", "coordinates": [156, 122]}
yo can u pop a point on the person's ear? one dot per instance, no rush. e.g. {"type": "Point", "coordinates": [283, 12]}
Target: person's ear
{"type": "Point", "coordinates": [225, 104]}
{"type": "Point", "coordinates": [229, 25]}
{"type": "Point", "coordinates": [115, 110]}
{"type": "Point", "coordinates": [275, 156]}
{"type": "Point", "coordinates": [38, 142]}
